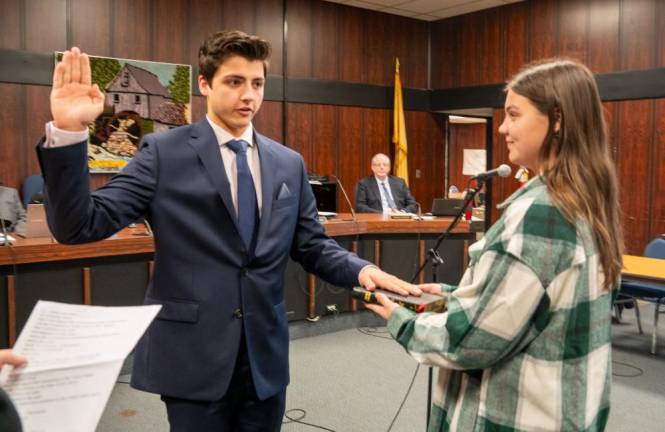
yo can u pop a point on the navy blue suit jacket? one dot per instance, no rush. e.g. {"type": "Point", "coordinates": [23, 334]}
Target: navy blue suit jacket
{"type": "Point", "coordinates": [202, 273]}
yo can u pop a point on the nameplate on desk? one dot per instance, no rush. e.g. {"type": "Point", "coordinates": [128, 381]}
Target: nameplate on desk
{"type": "Point", "coordinates": [401, 216]}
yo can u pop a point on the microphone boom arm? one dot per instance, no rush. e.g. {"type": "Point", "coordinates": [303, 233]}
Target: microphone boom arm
{"type": "Point", "coordinates": [433, 253]}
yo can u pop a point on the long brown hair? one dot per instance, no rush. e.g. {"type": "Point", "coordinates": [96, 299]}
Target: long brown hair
{"type": "Point", "coordinates": [575, 161]}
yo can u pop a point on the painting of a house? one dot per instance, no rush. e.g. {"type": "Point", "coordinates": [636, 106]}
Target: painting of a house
{"type": "Point", "coordinates": [138, 90]}
{"type": "Point", "coordinates": [141, 97]}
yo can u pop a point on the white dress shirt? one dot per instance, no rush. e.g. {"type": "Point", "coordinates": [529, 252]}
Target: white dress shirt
{"type": "Point", "coordinates": [384, 199]}
{"type": "Point", "coordinates": [229, 159]}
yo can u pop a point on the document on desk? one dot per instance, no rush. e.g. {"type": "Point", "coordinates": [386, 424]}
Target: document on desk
{"type": "Point", "coordinates": [74, 353]}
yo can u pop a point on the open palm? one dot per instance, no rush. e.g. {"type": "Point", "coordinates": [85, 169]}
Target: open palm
{"type": "Point", "coordinates": [75, 102]}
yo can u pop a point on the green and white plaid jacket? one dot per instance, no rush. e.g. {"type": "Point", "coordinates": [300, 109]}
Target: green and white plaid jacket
{"type": "Point", "coordinates": [525, 343]}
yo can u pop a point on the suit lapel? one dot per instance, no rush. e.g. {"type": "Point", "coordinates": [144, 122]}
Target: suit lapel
{"type": "Point", "coordinates": [394, 188]}
{"type": "Point", "coordinates": [205, 144]}
{"type": "Point", "coordinates": [374, 187]}
{"type": "Point", "coordinates": [268, 165]}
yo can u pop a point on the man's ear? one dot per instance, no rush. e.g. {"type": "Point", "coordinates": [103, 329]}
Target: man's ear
{"type": "Point", "coordinates": [204, 88]}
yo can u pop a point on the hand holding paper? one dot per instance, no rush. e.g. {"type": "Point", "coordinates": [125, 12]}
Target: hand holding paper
{"type": "Point", "coordinates": [75, 353]}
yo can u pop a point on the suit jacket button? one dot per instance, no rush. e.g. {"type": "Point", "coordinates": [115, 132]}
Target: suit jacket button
{"type": "Point", "coordinates": [237, 314]}
{"type": "Point", "coordinates": [244, 272]}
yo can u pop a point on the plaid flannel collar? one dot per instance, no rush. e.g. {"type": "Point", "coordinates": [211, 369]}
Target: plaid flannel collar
{"type": "Point", "coordinates": [531, 185]}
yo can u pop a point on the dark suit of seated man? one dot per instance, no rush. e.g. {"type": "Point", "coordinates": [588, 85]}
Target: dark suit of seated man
{"type": "Point", "coordinates": [383, 193]}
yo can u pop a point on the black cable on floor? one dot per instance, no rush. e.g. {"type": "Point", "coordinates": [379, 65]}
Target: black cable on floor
{"type": "Point", "coordinates": [373, 331]}
{"type": "Point", "coordinates": [640, 371]}
{"type": "Point", "coordinates": [408, 391]}
{"type": "Point", "coordinates": [298, 420]}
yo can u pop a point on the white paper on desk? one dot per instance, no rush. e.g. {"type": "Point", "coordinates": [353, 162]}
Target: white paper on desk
{"type": "Point", "coordinates": [475, 162]}
{"type": "Point", "coordinates": [74, 353]}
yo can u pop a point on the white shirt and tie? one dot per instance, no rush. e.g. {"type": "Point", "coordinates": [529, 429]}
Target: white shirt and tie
{"type": "Point", "coordinates": [387, 200]}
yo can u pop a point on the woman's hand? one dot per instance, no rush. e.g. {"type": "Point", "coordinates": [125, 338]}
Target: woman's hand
{"type": "Point", "coordinates": [385, 307]}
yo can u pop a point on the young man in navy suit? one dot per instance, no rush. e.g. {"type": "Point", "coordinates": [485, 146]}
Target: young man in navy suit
{"type": "Point", "coordinates": [228, 206]}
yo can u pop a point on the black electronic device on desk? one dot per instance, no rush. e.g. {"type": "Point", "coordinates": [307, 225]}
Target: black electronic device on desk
{"type": "Point", "coordinates": [313, 178]}
{"type": "Point", "coordinates": [425, 303]}
{"type": "Point", "coordinates": [325, 193]}
{"type": "Point", "coordinates": [446, 207]}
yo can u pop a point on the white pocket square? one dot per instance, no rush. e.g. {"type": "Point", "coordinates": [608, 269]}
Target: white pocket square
{"type": "Point", "coordinates": [284, 192]}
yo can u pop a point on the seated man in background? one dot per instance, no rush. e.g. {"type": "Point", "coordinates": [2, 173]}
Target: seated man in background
{"type": "Point", "coordinates": [383, 193]}
{"type": "Point", "coordinates": [12, 213]}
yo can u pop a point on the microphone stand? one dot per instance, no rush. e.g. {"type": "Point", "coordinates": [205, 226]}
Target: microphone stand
{"type": "Point", "coordinates": [434, 258]}
{"type": "Point", "coordinates": [346, 198]}
{"type": "Point", "coordinates": [5, 239]}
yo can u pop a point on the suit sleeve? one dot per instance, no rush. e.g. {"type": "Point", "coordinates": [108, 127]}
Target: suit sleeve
{"type": "Point", "coordinates": [75, 215]}
{"type": "Point", "coordinates": [410, 204]}
{"type": "Point", "coordinates": [361, 199]}
{"type": "Point", "coordinates": [315, 251]}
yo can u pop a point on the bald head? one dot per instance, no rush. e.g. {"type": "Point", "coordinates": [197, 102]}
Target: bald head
{"type": "Point", "coordinates": [381, 166]}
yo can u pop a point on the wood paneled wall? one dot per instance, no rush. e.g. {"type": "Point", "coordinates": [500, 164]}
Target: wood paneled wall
{"type": "Point", "coordinates": [324, 41]}
{"type": "Point", "coordinates": [608, 35]}
{"type": "Point", "coordinates": [463, 136]}
{"type": "Point", "coordinates": [336, 42]}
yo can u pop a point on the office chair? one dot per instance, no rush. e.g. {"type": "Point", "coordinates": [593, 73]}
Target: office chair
{"type": "Point", "coordinates": [32, 185]}
{"type": "Point", "coordinates": [652, 292]}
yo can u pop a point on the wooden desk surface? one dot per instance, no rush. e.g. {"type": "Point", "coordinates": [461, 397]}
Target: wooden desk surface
{"type": "Point", "coordinates": [131, 241]}
{"type": "Point", "coordinates": [373, 223]}
{"type": "Point", "coordinates": [643, 268]}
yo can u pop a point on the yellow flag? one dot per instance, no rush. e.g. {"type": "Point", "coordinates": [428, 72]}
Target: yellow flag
{"type": "Point", "coordinates": [399, 131]}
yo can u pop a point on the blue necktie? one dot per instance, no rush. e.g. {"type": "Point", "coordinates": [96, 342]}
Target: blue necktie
{"type": "Point", "coordinates": [247, 206]}
{"type": "Point", "coordinates": [389, 199]}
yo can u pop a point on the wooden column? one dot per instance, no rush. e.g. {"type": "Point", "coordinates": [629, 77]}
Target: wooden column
{"type": "Point", "coordinates": [87, 287]}
{"type": "Point", "coordinates": [421, 259]}
{"type": "Point", "coordinates": [11, 308]}
{"type": "Point", "coordinates": [354, 302]}
{"type": "Point", "coordinates": [311, 296]}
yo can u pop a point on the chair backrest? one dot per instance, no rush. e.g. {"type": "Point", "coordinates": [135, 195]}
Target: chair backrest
{"type": "Point", "coordinates": [32, 185]}
{"type": "Point", "coordinates": [655, 248]}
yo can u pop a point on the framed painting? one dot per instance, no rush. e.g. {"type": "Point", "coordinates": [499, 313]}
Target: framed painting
{"type": "Point", "coordinates": [140, 97]}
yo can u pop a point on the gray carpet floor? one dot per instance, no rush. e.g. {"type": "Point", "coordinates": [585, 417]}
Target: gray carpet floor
{"type": "Point", "coordinates": [347, 380]}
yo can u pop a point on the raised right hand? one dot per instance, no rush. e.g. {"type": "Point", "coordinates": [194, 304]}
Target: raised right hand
{"type": "Point", "coordinates": [75, 102]}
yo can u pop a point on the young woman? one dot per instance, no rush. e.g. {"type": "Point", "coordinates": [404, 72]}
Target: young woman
{"type": "Point", "coordinates": [525, 343]}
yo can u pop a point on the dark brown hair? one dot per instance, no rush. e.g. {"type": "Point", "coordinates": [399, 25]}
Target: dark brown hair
{"type": "Point", "coordinates": [218, 47]}
{"type": "Point", "coordinates": [575, 161]}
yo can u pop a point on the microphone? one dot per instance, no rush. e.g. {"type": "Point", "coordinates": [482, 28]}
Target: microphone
{"type": "Point", "coordinates": [346, 197]}
{"type": "Point", "coordinates": [419, 215]}
{"type": "Point", "coordinates": [5, 238]}
{"type": "Point", "coordinates": [502, 170]}
{"type": "Point", "coordinates": [148, 228]}
{"type": "Point", "coordinates": [147, 232]}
